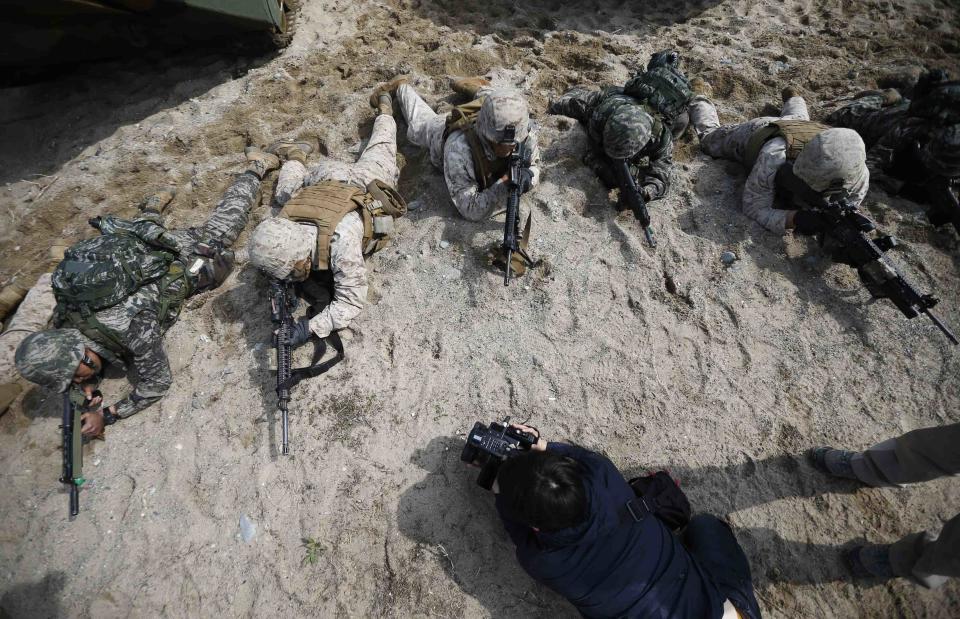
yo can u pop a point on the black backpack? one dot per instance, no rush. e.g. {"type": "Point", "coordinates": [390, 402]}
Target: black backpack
{"type": "Point", "coordinates": [938, 102]}
{"type": "Point", "coordinates": [659, 495]}
{"type": "Point", "coordinates": [663, 88]}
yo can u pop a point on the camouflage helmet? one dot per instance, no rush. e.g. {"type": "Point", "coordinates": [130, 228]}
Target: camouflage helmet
{"type": "Point", "coordinates": [666, 58]}
{"type": "Point", "coordinates": [941, 154]}
{"type": "Point", "coordinates": [501, 108]}
{"type": "Point", "coordinates": [278, 243]}
{"type": "Point", "coordinates": [626, 131]}
{"type": "Point", "coordinates": [835, 156]}
{"type": "Point", "coordinates": [50, 358]}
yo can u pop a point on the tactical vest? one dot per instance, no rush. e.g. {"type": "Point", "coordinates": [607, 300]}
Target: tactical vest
{"type": "Point", "coordinates": [464, 118]}
{"type": "Point", "coordinates": [797, 134]}
{"type": "Point", "coordinates": [325, 204]}
{"type": "Point", "coordinates": [101, 272]}
{"type": "Point", "coordinates": [665, 89]}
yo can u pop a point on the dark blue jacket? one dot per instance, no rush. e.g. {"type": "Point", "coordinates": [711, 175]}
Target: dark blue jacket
{"type": "Point", "coordinates": [610, 568]}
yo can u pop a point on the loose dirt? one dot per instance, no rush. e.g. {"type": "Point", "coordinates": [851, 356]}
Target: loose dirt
{"type": "Point", "coordinates": [660, 358]}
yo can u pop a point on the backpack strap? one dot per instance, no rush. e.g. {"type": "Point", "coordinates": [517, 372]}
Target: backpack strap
{"type": "Point", "coordinates": [637, 508]}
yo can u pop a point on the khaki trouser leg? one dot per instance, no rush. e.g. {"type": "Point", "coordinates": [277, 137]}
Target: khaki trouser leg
{"type": "Point", "coordinates": [34, 313]}
{"type": "Point", "coordinates": [920, 455]}
{"type": "Point", "coordinates": [378, 161]}
{"type": "Point", "coordinates": [928, 559]}
{"type": "Point", "coordinates": [424, 126]}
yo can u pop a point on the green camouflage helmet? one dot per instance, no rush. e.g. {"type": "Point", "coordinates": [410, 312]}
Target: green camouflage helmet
{"type": "Point", "coordinates": [626, 132]}
{"type": "Point", "coordinates": [942, 153]}
{"type": "Point", "coordinates": [50, 358]}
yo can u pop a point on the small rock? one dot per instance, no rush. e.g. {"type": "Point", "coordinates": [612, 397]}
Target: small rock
{"type": "Point", "coordinates": [728, 258]}
{"type": "Point", "coordinates": [204, 338]}
{"type": "Point", "coordinates": [452, 273]}
{"type": "Point", "coordinates": [777, 66]}
{"type": "Point", "coordinates": [444, 244]}
{"type": "Point", "coordinates": [248, 528]}
{"type": "Point", "coordinates": [416, 205]}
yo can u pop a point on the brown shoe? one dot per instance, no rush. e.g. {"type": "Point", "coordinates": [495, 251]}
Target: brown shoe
{"type": "Point", "coordinates": [259, 162]}
{"type": "Point", "coordinates": [387, 88]}
{"type": "Point", "coordinates": [701, 87]}
{"type": "Point", "coordinates": [468, 86]}
{"type": "Point", "coordinates": [789, 93]}
{"type": "Point", "coordinates": [158, 202]}
{"type": "Point", "coordinates": [290, 150]}
{"type": "Point", "coordinates": [385, 106]}
{"type": "Point", "coordinates": [8, 393]}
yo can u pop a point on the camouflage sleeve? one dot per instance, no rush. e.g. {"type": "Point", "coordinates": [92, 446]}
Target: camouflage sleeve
{"type": "Point", "coordinates": [576, 103]}
{"type": "Point", "coordinates": [149, 361]}
{"type": "Point", "coordinates": [880, 155]}
{"type": "Point", "coordinates": [349, 278]}
{"type": "Point", "coordinates": [473, 204]}
{"type": "Point", "coordinates": [655, 180]}
{"type": "Point", "coordinates": [760, 189]}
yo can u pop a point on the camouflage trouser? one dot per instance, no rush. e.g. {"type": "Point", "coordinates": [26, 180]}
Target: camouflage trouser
{"type": "Point", "coordinates": [33, 315]}
{"type": "Point", "coordinates": [730, 141]}
{"type": "Point", "coordinates": [920, 455]}
{"type": "Point", "coordinates": [424, 126]}
{"type": "Point", "coordinates": [574, 103]}
{"type": "Point", "coordinates": [868, 117]}
{"type": "Point", "coordinates": [377, 161]}
{"type": "Point", "coordinates": [228, 218]}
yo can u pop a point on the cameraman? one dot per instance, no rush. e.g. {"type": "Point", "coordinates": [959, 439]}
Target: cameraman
{"type": "Point", "coordinates": [565, 509]}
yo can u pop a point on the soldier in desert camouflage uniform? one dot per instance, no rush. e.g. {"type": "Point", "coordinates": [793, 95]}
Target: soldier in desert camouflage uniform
{"type": "Point", "coordinates": [333, 215]}
{"type": "Point", "coordinates": [131, 332]}
{"type": "Point", "coordinates": [913, 146]}
{"type": "Point", "coordinates": [793, 164]}
{"type": "Point", "coordinates": [472, 155]}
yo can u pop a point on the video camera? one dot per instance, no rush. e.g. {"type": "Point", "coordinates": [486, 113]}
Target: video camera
{"type": "Point", "coordinates": [488, 447]}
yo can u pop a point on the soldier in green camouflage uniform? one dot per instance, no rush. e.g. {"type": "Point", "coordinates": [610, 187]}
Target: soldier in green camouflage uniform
{"type": "Point", "coordinates": [64, 357]}
{"type": "Point", "coordinates": [630, 122]}
{"type": "Point", "coordinates": [913, 146]}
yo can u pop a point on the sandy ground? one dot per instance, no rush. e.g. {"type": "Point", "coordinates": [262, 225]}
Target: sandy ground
{"type": "Point", "coordinates": [661, 359]}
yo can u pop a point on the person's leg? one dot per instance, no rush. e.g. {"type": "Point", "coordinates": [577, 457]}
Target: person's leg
{"type": "Point", "coordinates": [714, 547]}
{"type": "Point", "coordinates": [289, 181]}
{"type": "Point", "coordinates": [917, 456]}
{"type": "Point", "coordinates": [424, 126]}
{"type": "Point", "coordinates": [31, 316]}
{"type": "Point", "coordinates": [794, 107]}
{"type": "Point", "coordinates": [926, 559]}
{"type": "Point", "coordinates": [378, 161]}
{"type": "Point", "coordinates": [230, 215]}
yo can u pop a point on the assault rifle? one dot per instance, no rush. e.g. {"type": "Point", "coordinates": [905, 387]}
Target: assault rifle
{"type": "Point", "coordinates": [513, 242]}
{"type": "Point", "coordinates": [849, 228]}
{"type": "Point", "coordinates": [630, 193]}
{"type": "Point", "coordinates": [283, 303]}
{"type": "Point", "coordinates": [72, 453]}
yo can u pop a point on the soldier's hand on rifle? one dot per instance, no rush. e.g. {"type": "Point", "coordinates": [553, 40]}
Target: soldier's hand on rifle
{"type": "Point", "coordinates": [300, 333]}
{"type": "Point", "coordinates": [810, 222]}
{"type": "Point", "coordinates": [93, 397]}
{"type": "Point", "coordinates": [526, 180]}
{"type": "Point", "coordinates": [93, 424]}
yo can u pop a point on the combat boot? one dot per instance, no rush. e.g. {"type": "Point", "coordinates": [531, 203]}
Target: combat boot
{"type": "Point", "coordinates": [832, 461]}
{"type": "Point", "coordinates": [387, 88]}
{"type": "Point", "coordinates": [789, 93]}
{"type": "Point", "coordinates": [468, 86]}
{"type": "Point", "coordinates": [870, 561]}
{"type": "Point", "coordinates": [290, 150]}
{"type": "Point", "coordinates": [385, 105]}
{"type": "Point", "coordinates": [158, 202]}
{"type": "Point", "coordinates": [8, 393]}
{"type": "Point", "coordinates": [260, 162]}
{"type": "Point", "coordinates": [701, 87]}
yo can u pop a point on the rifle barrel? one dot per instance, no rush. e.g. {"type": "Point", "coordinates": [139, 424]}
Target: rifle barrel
{"type": "Point", "coordinates": [946, 330]}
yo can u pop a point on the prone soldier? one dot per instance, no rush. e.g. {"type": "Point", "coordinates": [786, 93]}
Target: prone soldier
{"type": "Point", "coordinates": [913, 145]}
{"type": "Point", "coordinates": [117, 294]}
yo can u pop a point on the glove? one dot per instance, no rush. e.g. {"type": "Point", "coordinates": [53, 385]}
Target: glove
{"type": "Point", "coordinates": [299, 334]}
{"type": "Point", "coordinates": [646, 192]}
{"type": "Point", "coordinates": [810, 222]}
{"type": "Point", "coordinates": [526, 180]}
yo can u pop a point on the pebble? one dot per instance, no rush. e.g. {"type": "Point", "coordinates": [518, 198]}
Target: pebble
{"type": "Point", "coordinates": [444, 244]}
{"type": "Point", "coordinates": [416, 205]}
{"type": "Point", "coordinates": [728, 257]}
{"type": "Point", "coordinates": [452, 273]}
{"type": "Point", "coordinates": [248, 528]}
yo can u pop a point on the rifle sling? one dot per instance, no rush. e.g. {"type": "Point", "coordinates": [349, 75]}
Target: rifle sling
{"type": "Point", "coordinates": [316, 369]}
